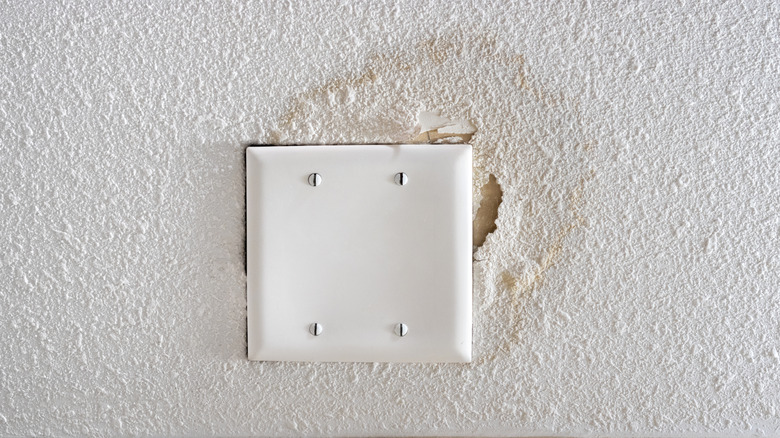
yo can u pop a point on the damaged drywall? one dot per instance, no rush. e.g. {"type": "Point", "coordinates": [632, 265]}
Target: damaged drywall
{"type": "Point", "coordinates": [487, 213]}
{"type": "Point", "coordinates": [480, 93]}
{"type": "Point", "coordinates": [624, 285]}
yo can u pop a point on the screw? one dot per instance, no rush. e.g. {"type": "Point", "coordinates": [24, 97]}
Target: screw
{"type": "Point", "coordinates": [401, 329]}
{"type": "Point", "coordinates": [315, 179]}
{"type": "Point", "coordinates": [401, 178]}
{"type": "Point", "coordinates": [315, 329]}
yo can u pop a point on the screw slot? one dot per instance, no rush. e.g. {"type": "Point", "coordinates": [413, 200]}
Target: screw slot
{"type": "Point", "coordinates": [315, 179]}
{"type": "Point", "coordinates": [315, 329]}
{"type": "Point", "coordinates": [401, 329]}
{"type": "Point", "coordinates": [401, 178]}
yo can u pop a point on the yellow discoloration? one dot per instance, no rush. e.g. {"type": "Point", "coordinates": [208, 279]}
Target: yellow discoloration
{"type": "Point", "coordinates": [520, 288]}
{"type": "Point", "coordinates": [380, 104]}
{"type": "Point", "coordinates": [298, 110]}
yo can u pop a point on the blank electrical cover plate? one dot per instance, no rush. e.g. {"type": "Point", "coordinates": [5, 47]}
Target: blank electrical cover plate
{"type": "Point", "coordinates": [359, 253]}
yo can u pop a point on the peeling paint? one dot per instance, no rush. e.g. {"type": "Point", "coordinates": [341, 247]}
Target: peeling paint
{"type": "Point", "coordinates": [433, 128]}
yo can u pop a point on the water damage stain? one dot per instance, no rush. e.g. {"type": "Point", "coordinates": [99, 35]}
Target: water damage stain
{"type": "Point", "coordinates": [519, 288]}
{"type": "Point", "coordinates": [532, 139]}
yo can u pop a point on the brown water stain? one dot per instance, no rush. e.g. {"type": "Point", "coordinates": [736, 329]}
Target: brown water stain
{"type": "Point", "coordinates": [297, 112]}
{"type": "Point", "coordinates": [378, 105]}
{"type": "Point", "coordinates": [520, 288]}
{"type": "Point", "coordinates": [440, 50]}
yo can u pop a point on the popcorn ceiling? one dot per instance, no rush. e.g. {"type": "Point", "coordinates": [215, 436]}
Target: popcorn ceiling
{"type": "Point", "coordinates": [626, 221]}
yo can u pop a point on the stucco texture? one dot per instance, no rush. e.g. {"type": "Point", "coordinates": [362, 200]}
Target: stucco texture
{"type": "Point", "coordinates": [630, 286]}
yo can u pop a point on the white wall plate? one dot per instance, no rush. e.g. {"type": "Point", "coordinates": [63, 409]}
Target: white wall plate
{"type": "Point", "coordinates": [358, 253]}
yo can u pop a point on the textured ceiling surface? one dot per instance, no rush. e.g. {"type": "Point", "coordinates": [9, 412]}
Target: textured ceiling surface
{"type": "Point", "coordinates": [627, 235]}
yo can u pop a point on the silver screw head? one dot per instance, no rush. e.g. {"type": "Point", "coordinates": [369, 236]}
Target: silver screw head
{"type": "Point", "coordinates": [401, 329]}
{"type": "Point", "coordinates": [315, 329]}
{"type": "Point", "coordinates": [401, 178]}
{"type": "Point", "coordinates": [315, 179]}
